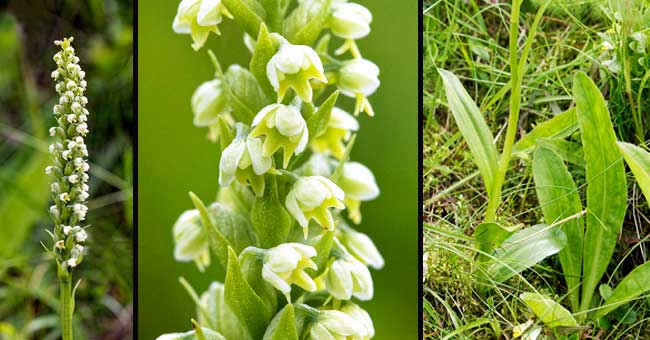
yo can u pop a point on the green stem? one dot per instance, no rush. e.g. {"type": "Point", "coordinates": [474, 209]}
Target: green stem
{"type": "Point", "coordinates": [513, 118]}
{"type": "Point", "coordinates": [66, 306]}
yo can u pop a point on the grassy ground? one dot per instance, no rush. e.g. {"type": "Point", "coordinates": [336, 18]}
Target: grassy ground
{"type": "Point", "coordinates": [470, 38]}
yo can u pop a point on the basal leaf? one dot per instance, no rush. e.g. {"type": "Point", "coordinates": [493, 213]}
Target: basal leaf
{"type": "Point", "coordinates": [249, 14]}
{"type": "Point", "coordinates": [265, 48]}
{"type": "Point", "coordinates": [246, 95]}
{"type": "Point", "coordinates": [489, 236]}
{"type": "Point", "coordinates": [549, 311]}
{"type": "Point", "coordinates": [639, 162]}
{"type": "Point", "coordinates": [283, 325]}
{"type": "Point", "coordinates": [632, 286]}
{"type": "Point", "coordinates": [606, 187]}
{"type": "Point", "coordinates": [559, 199]}
{"type": "Point", "coordinates": [305, 23]}
{"type": "Point", "coordinates": [472, 125]}
{"type": "Point", "coordinates": [243, 300]}
{"type": "Point", "coordinates": [524, 249]}
{"type": "Point", "coordinates": [560, 126]}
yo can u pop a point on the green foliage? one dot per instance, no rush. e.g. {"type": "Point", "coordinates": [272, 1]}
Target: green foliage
{"type": "Point", "coordinates": [549, 311]}
{"type": "Point", "coordinates": [631, 287]}
{"type": "Point", "coordinates": [305, 23]}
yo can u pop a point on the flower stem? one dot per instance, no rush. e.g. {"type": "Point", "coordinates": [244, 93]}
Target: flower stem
{"type": "Point", "coordinates": [66, 306]}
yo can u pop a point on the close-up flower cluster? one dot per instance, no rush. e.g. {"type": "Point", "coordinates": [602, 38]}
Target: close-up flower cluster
{"type": "Point", "coordinates": [284, 222]}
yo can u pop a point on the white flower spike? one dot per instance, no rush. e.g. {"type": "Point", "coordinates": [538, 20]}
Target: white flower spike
{"type": "Point", "coordinates": [293, 66]}
{"type": "Point", "coordinates": [358, 78]}
{"type": "Point", "coordinates": [285, 265]}
{"type": "Point", "coordinates": [282, 127]}
{"type": "Point", "coordinates": [312, 197]}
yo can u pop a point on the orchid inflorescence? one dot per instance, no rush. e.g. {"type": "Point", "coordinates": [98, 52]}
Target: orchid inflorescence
{"type": "Point", "coordinates": [282, 221]}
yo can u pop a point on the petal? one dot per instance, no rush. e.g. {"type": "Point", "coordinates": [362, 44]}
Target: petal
{"type": "Point", "coordinates": [261, 164]}
{"type": "Point", "coordinates": [343, 120]}
{"type": "Point", "coordinates": [229, 161]}
{"type": "Point", "coordinates": [336, 191]}
{"type": "Point", "coordinates": [339, 280]}
{"type": "Point", "coordinates": [263, 112]}
{"type": "Point", "coordinates": [294, 209]}
{"type": "Point", "coordinates": [319, 332]}
{"type": "Point", "coordinates": [209, 13]}
{"type": "Point", "coordinates": [275, 280]}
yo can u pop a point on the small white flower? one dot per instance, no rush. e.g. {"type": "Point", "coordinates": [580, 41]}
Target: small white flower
{"type": "Point", "coordinates": [67, 229]}
{"type": "Point", "coordinates": [76, 107]}
{"type": "Point", "coordinates": [607, 46]}
{"type": "Point", "coordinates": [209, 101]}
{"type": "Point", "coordinates": [77, 251]}
{"type": "Point", "coordinates": [358, 183]}
{"type": "Point", "coordinates": [55, 74]}
{"type": "Point", "coordinates": [54, 211]}
{"type": "Point", "coordinates": [333, 324]}
{"type": "Point", "coordinates": [191, 240]}
{"type": "Point", "coordinates": [80, 210]}
{"type": "Point", "coordinates": [198, 18]}
{"type": "Point", "coordinates": [82, 128]}
{"type": "Point", "coordinates": [347, 277]}
{"type": "Point", "coordinates": [65, 154]}
{"type": "Point", "coordinates": [311, 197]}
{"type": "Point", "coordinates": [55, 188]}
{"type": "Point", "coordinates": [73, 178]}
{"type": "Point", "coordinates": [83, 195]}
{"type": "Point", "coordinates": [49, 169]}
{"type": "Point", "coordinates": [71, 118]}
{"type": "Point", "coordinates": [285, 265]}
{"type": "Point", "coordinates": [82, 74]}
{"type": "Point", "coordinates": [339, 128]}
{"type": "Point", "coordinates": [65, 197]}
{"type": "Point", "coordinates": [81, 236]}
{"type": "Point", "coordinates": [52, 131]}
{"type": "Point", "coordinates": [59, 244]}
{"type": "Point", "coordinates": [292, 67]}
{"type": "Point", "coordinates": [365, 328]}
{"type": "Point", "coordinates": [72, 262]}
{"type": "Point", "coordinates": [362, 247]}
{"type": "Point", "coordinates": [71, 85]}
{"type": "Point", "coordinates": [283, 127]}
{"type": "Point", "coordinates": [350, 20]}
{"type": "Point", "coordinates": [358, 78]}
{"type": "Point", "coordinates": [238, 158]}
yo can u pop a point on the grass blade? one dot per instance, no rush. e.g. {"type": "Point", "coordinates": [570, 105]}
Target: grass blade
{"type": "Point", "coordinates": [550, 312]}
{"type": "Point", "coordinates": [473, 127]}
{"type": "Point", "coordinates": [606, 188]}
{"type": "Point", "coordinates": [632, 286]}
{"type": "Point", "coordinates": [559, 199]}
{"type": "Point", "coordinates": [639, 162]}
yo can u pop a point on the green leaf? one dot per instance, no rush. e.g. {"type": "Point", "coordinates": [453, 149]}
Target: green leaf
{"type": "Point", "coordinates": [246, 95]}
{"type": "Point", "coordinates": [549, 311]}
{"type": "Point", "coordinates": [489, 236]}
{"type": "Point", "coordinates": [568, 151]}
{"type": "Point", "coordinates": [560, 126]}
{"type": "Point", "coordinates": [218, 315]}
{"type": "Point", "coordinates": [632, 286]}
{"type": "Point", "coordinates": [243, 300]}
{"type": "Point", "coordinates": [249, 14]}
{"type": "Point", "coordinates": [283, 325]}
{"type": "Point", "coordinates": [270, 219]}
{"type": "Point", "coordinates": [24, 201]}
{"type": "Point", "coordinates": [218, 242]}
{"type": "Point", "coordinates": [305, 23]}
{"type": "Point", "coordinates": [639, 162]}
{"type": "Point", "coordinates": [275, 10]}
{"type": "Point", "coordinates": [524, 249]}
{"type": "Point", "coordinates": [606, 187]}
{"type": "Point", "coordinates": [251, 262]}
{"type": "Point", "coordinates": [473, 127]}
{"type": "Point", "coordinates": [225, 133]}
{"type": "Point", "coordinates": [191, 335]}
{"type": "Point", "coordinates": [235, 227]}
{"type": "Point", "coordinates": [558, 196]}
{"type": "Point", "coordinates": [265, 48]}
{"type": "Point", "coordinates": [323, 245]}
{"type": "Point", "coordinates": [317, 123]}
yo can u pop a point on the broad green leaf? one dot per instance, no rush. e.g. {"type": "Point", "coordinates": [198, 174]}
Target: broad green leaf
{"type": "Point", "coordinates": [560, 126]}
{"type": "Point", "coordinates": [632, 286]}
{"type": "Point", "coordinates": [265, 48]}
{"type": "Point", "coordinates": [473, 127]}
{"type": "Point", "coordinates": [305, 23]}
{"type": "Point", "coordinates": [606, 187]}
{"type": "Point", "coordinates": [235, 227]}
{"type": "Point", "coordinates": [246, 95]}
{"type": "Point", "coordinates": [251, 264]}
{"type": "Point", "coordinates": [283, 325]}
{"type": "Point", "coordinates": [275, 10]}
{"type": "Point", "coordinates": [639, 162]}
{"type": "Point", "coordinates": [269, 217]}
{"type": "Point", "coordinates": [549, 311]}
{"type": "Point", "coordinates": [524, 249]}
{"type": "Point", "coordinates": [317, 123]}
{"type": "Point", "coordinates": [24, 202]}
{"type": "Point", "coordinates": [243, 300]}
{"type": "Point", "coordinates": [218, 242]}
{"type": "Point", "coordinates": [568, 151]}
{"type": "Point", "coordinates": [214, 312]}
{"type": "Point", "coordinates": [489, 236]}
{"type": "Point", "coordinates": [249, 14]}
{"type": "Point", "coordinates": [559, 199]}
{"type": "Point", "coordinates": [191, 335]}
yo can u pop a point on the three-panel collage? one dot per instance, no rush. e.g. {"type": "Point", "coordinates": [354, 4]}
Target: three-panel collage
{"type": "Point", "coordinates": [324, 169]}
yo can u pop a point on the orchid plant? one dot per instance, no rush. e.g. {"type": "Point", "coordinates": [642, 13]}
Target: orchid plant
{"type": "Point", "coordinates": [283, 223]}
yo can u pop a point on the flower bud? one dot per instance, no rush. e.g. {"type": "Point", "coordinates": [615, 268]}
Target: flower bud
{"type": "Point", "coordinates": [81, 236]}
{"type": "Point", "coordinates": [198, 18]}
{"type": "Point", "coordinates": [311, 197]}
{"type": "Point", "coordinates": [365, 328]}
{"type": "Point", "coordinates": [283, 127]}
{"type": "Point", "coordinates": [191, 240]}
{"type": "Point", "coordinates": [339, 128]}
{"type": "Point", "coordinates": [285, 265]}
{"type": "Point", "coordinates": [362, 247]}
{"type": "Point", "coordinates": [72, 262]}
{"type": "Point", "coordinates": [208, 102]}
{"type": "Point", "coordinates": [350, 20]}
{"type": "Point", "coordinates": [333, 324]}
{"type": "Point", "coordinates": [347, 277]}
{"type": "Point", "coordinates": [358, 78]}
{"type": "Point", "coordinates": [358, 183]}
{"type": "Point", "coordinates": [243, 159]}
{"type": "Point", "coordinates": [292, 67]}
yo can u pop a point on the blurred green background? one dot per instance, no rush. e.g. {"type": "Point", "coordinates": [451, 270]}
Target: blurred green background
{"type": "Point", "coordinates": [28, 285]}
{"type": "Point", "coordinates": [174, 157]}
